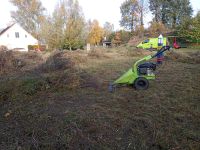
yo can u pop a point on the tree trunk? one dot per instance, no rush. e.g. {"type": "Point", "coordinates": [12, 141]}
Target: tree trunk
{"type": "Point", "coordinates": [132, 23]}
{"type": "Point", "coordinates": [142, 13]}
{"type": "Point", "coordinates": [174, 22]}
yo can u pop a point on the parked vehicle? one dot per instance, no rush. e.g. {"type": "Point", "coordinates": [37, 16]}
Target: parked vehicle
{"type": "Point", "coordinates": [151, 43]}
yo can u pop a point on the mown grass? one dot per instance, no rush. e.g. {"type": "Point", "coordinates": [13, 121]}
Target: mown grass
{"type": "Point", "coordinates": [166, 116]}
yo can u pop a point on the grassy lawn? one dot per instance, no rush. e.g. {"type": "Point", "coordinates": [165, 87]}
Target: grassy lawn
{"type": "Point", "coordinates": [64, 103]}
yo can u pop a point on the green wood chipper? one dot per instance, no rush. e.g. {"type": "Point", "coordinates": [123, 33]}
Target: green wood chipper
{"type": "Point", "coordinates": [140, 73]}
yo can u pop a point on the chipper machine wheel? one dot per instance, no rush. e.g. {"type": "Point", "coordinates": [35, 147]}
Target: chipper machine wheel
{"type": "Point", "coordinates": [141, 83]}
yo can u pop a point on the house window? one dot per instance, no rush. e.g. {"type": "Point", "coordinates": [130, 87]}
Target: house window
{"type": "Point", "coordinates": [17, 34]}
{"type": "Point", "coordinates": [25, 36]}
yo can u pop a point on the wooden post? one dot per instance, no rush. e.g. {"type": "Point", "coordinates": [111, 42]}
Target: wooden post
{"type": "Point", "coordinates": [88, 47]}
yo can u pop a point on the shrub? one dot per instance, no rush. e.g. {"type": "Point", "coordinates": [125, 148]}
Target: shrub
{"type": "Point", "coordinates": [37, 47]}
{"type": "Point", "coordinates": [156, 28]}
{"type": "Point", "coordinates": [73, 46]}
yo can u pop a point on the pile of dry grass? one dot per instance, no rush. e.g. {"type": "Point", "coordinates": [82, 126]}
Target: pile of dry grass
{"type": "Point", "coordinates": [196, 57]}
{"type": "Point", "coordinates": [57, 72]}
{"type": "Point", "coordinates": [8, 62]}
{"type": "Point", "coordinates": [59, 69]}
{"type": "Point", "coordinates": [77, 57]}
{"type": "Point", "coordinates": [11, 62]}
{"type": "Point", "coordinates": [98, 53]}
{"type": "Point", "coordinates": [131, 51]}
{"type": "Point", "coordinates": [137, 52]}
{"type": "Point", "coordinates": [56, 62]}
{"type": "Point", "coordinates": [191, 58]}
{"type": "Point", "coordinates": [62, 71]}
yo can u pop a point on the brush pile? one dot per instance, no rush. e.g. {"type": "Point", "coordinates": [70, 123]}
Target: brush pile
{"type": "Point", "coordinates": [191, 58]}
{"type": "Point", "coordinates": [56, 70]}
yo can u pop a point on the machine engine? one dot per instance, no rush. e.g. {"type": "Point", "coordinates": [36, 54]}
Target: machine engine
{"type": "Point", "coordinates": [147, 68]}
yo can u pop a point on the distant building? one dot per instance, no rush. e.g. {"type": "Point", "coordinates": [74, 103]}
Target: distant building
{"type": "Point", "coordinates": [107, 43]}
{"type": "Point", "coordinates": [15, 37]}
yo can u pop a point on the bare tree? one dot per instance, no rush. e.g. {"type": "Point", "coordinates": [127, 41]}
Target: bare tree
{"type": "Point", "coordinates": [29, 14]}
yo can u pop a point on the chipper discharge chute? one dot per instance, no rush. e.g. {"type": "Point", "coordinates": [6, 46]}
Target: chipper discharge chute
{"type": "Point", "coordinates": [140, 73]}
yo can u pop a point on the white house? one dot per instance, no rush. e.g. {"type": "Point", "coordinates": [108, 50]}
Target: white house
{"type": "Point", "coordinates": [15, 37]}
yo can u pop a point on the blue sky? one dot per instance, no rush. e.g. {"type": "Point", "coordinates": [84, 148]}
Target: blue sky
{"type": "Point", "coordinates": [102, 10]}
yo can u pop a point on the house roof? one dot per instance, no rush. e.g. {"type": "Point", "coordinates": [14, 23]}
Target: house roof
{"type": "Point", "coordinates": [4, 30]}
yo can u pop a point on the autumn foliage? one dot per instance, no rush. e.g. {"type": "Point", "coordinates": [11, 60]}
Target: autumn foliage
{"type": "Point", "coordinates": [95, 34]}
{"type": "Point", "coordinates": [157, 28]}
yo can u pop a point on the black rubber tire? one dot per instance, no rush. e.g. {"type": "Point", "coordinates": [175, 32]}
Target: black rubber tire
{"type": "Point", "coordinates": [141, 83]}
